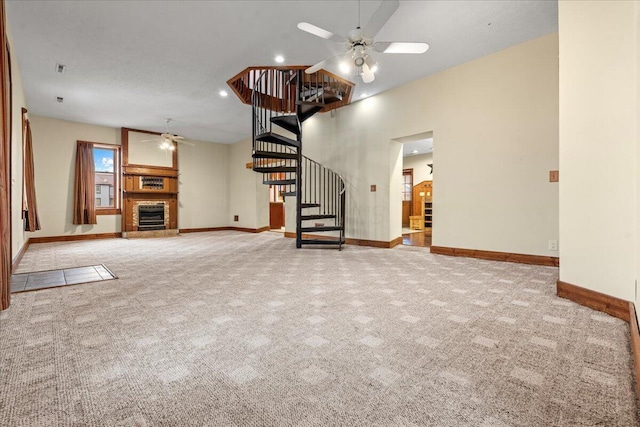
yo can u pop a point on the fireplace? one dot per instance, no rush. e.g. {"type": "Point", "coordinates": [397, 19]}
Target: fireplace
{"type": "Point", "coordinates": [151, 217]}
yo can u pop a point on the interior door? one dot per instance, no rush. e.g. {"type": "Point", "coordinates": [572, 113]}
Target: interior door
{"type": "Point", "coordinates": [407, 190]}
{"type": "Point", "coordinates": [276, 207]}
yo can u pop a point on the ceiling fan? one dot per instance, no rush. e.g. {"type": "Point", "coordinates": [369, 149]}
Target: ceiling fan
{"type": "Point", "coordinates": [168, 141]}
{"type": "Point", "coordinates": [360, 42]}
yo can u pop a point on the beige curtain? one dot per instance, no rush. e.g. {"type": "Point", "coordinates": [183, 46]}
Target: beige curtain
{"type": "Point", "coordinates": [5, 165]}
{"type": "Point", "coordinates": [84, 202]}
{"type": "Point", "coordinates": [32, 222]}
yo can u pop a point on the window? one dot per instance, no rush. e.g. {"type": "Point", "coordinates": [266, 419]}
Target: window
{"type": "Point", "coordinates": [407, 184]}
{"type": "Point", "coordinates": [107, 175]}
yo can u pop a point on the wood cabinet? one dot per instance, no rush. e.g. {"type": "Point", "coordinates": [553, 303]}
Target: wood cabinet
{"type": "Point", "coordinates": [423, 205]}
{"type": "Point", "coordinates": [428, 214]}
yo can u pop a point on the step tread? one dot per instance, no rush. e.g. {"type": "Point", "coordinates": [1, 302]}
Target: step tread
{"type": "Point", "coordinates": [268, 169]}
{"type": "Point", "coordinates": [310, 205]}
{"type": "Point", "coordinates": [274, 155]}
{"type": "Point", "coordinates": [308, 109]}
{"type": "Point", "coordinates": [319, 216]}
{"type": "Point", "coordinates": [288, 122]}
{"type": "Point", "coordinates": [277, 139]}
{"type": "Point", "coordinates": [289, 193]}
{"type": "Point", "coordinates": [321, 228]}
{"type": "Point", "coordinates": [322, 242]}
{"type": "Point", "coordinates": [279, 182]}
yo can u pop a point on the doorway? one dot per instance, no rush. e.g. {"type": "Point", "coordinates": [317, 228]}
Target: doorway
{"type": "Point", "coordinates": [276, 209]}
{"type": "Point", "coordinates": [417, 189]}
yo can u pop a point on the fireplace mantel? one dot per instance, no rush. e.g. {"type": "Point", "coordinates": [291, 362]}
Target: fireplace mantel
{"type": "Point", "coordinates": [145, 185]}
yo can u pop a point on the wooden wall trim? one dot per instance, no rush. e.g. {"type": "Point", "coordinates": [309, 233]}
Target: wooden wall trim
{"type": "Point", "coordinates": [207, 229]}
{"type": "Point", "coordinates": [497, 256]}
{"type": "Point", "coordinates": [356, 242]}
{"type": "Point", "coordinates": [607, 304]}
{"type": "Point", "coordinates": [635, 343]}
{"type": "Point", "coordinates": [73, 237]}
{"type": "Point", "coordinates": [202, 230]}
{"type": "Point", "coordinates": [18, 258]}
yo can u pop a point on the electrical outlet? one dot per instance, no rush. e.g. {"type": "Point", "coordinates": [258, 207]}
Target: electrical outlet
{"type": "Point", "coordinates": [553, 245]}
{"type": "Point", "coordinates": [235, 218]}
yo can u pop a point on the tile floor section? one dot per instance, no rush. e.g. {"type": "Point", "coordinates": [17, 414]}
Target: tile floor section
{"type": "Point", "coordinates": [53, 278]}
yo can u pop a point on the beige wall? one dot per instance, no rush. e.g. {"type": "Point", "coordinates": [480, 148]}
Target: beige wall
{"type": "Point", "coordinates": [599, 129]}
{"type": "Point", "coordinates": [17, 103]}
{"type": "Point", "coordinates": [637, 190]}
{"type": "Point", "coordinates": [54, 147]}
{"type": "Point", "coordinates": [249, 198]}
{"type": "Point", "coordinates": [203, 183]}
{"type": "Point", "coordinates": [495, 127]}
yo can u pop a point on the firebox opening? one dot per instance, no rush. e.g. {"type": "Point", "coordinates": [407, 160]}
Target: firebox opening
{"type": "Point", "coordinates": [151, 217]}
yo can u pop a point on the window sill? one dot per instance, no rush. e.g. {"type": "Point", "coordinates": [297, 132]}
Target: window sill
{"type": "Point", "coordinates": [108, 211]}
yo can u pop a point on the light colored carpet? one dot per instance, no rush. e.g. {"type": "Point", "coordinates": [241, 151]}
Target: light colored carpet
{"type": "Point", "coordinates": [237, 329]}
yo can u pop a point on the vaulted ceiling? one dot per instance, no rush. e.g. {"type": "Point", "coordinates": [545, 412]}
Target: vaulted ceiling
{"type": "Point", "coordinates": [136, 63]}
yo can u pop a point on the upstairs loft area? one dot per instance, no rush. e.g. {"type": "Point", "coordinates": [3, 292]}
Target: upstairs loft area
{"type": "Point", "coordinates": [332, 90]}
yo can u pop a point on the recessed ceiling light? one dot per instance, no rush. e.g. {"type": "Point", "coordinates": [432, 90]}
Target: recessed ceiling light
{"type": "Point", "coordinates": [279, 59]}
{"type": "Point", "coordinates": [415, 152]}
{"type": "Point", "coordinates": [223, 93]}
{"type": "Point", "coordinates": [344, 67]}
{"type": "Point", "coordinates": [364, 95]}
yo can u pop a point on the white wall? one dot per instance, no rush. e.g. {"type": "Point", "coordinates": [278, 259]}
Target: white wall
{"type": "Point", "coordinates": [18, 102]}
{"type": "Point", "coordinates": [495, 126]}
{"type": "Point", "coordinates": [419, 162]}
{"type": "Point", "coordinates": [249, 198]}
{"type": "Point", "coordinates": [599, 129]}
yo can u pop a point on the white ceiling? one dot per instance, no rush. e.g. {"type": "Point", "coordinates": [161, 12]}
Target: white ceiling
{"type": "Point", "coordinates": [135, 63]}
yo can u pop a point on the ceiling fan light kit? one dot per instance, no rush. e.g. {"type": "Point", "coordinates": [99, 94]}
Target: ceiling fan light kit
{"type": "Point", "coordinates": [356, 59]}
{"type": "Point", "coordinates": [169, 141]}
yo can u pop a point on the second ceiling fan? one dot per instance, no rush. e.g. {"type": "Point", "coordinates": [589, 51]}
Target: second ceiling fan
{"type": "Point", "coordinates": [360, 42]}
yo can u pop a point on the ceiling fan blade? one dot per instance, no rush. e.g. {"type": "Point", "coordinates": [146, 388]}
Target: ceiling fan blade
{"type": "Point", "coordinates": [380, 17]}
{"type": "Point", "coordinates": [320, 32]}
{"type": "Point", "coordinates": [400, 47]}
{"type": "Point", "coordinates": [177, 137]}
{"type": "Point", "coordinates": [151, 140]}
{"type": "Point", "coordinates": [323, 63]}
{"type": "Point", "coordinates": [367, 74]}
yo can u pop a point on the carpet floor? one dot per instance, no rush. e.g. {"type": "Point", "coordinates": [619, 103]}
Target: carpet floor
{"type": "Point", "coordinates": [238, 329]}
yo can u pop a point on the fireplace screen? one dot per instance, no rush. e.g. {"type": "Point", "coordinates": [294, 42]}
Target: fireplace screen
{"type": "Point", "coordinates": [151, 217]}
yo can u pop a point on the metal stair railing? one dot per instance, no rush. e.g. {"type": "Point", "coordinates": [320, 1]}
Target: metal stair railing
{"type": "Point", "coordinates": [325, 187]}
{"type": "Point", "coordinates": [276, 93]}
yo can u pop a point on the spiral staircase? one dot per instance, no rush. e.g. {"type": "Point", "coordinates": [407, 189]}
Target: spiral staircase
{"type": "Point", "coordinates": [282, 98]}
